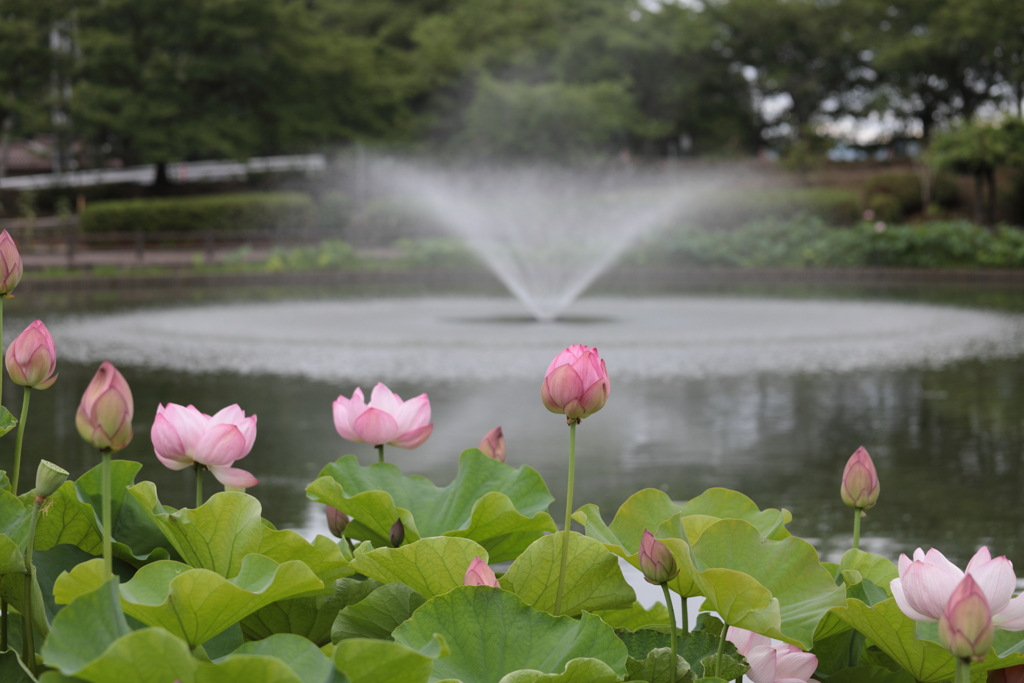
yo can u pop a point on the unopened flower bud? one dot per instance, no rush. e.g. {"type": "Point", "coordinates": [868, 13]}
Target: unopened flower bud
{"type": "Point", "coordinates": [337, 521]}
{"type": "Point", "coordinates": [493, 445]}
{"type": "Point", "coordinates": [479, 574]}
{"type": "Point", "coordinates": [397, 533]}
{"type": "Point", "coordinates": [10, 265]}
{"type": "Point", "coordinates": [1013, 674]}
{"type": "Point", "coordinates": [965, 627]}
{"type": "Point", "coordinates": [49, 478]}
{"type": "Point", "coordinates": [860, 481]}
{"type": "Point", "coordinates": [104, 416]}
{"type": "Point", "coordinates": [576, 383]}
{"type": "Point", "coordinates": [656, 560]}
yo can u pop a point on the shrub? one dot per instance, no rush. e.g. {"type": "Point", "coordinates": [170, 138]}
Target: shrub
{"type": "Point", "coordinates": [736, 208]}
{"type": "Point", "coordinates": [437, 252]}
{"type": "Point", "coordinates": [384, 221]}
{"type": "Point", "coordinates": [328, 255]}
{"type": "Point", "coordinates": [903, 186]}
{"type": "Point", "coordinates": [886, 207]}
{"type": "Point", "coordinates": [249, 211]}
{"type": "Point", "coordinates": [335, 210]}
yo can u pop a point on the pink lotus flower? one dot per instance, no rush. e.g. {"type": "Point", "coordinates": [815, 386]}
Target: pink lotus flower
{"type": "Point", "coordinates": [965, 627]}
{"type": "Point", "coordinates": [926, 584]}
{"type": "Point", "coordinates": [781, 663]}
{"type": "Point", "coordinates": [479, 574]}
{"type": "Point", "coordinates": [183, 437]}
{"type": "Point", "coordinates": [656, 561]}
{"type": "Point", "coordinates": [32, 358]}
{"type": "Point", "coordinates": [1013, 674]}
{"type": "Point", "coordinates": [576, 383]}
{"type": "Point", "coordinates": [386, 420]}
{"type": "Point", "coordinates": [104, 416]}
{"type": "Point", "coordinates": [493, 445]}
{"type": "Point", "coordinates": [10, 264]}
{"type": "Point", "coordinates": [336, 521]}
{"type": "Point", "coordinates": [860, 481]}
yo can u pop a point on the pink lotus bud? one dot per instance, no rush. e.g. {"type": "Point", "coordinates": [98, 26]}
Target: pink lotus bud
{"type": "Point", "coordinates": [965, 627]}
{"type": "Point", "coordinates": [337, 521]}
{"type": "Point", "coordinates": [860, 481]}
{"type": "Point", "coordinates": [576, 383]}
{"type": "Point", "coordinates": [104, 416]}
{"type": "Point", "coordinates": [656, 560]}
{"type": "Point", "coordinates": [386, 420]}
{"type": "Point", "coordinates": [1014, 674]}
{"type": "Point", "coordinates": [397, 533]}
{"type": "Point", "coordinates": [493, 445]}
{"type": "Point", "coordinates": [32, 357]}
{"type": "Point", "coordinates": [479, 574]}
{"type": "Point", "coordinates": [183, 437]}
{"type": "Point", "coordinates": [10, 265]}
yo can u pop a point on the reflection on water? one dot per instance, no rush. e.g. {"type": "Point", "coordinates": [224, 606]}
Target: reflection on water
{"type": "Point", "coordinates": [948, 441]}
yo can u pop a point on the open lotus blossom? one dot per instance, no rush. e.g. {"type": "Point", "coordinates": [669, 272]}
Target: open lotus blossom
{"type": "Point", "coordinates": [387, 419]}
{"type": "Point", "coordinates": [479, 574]}
{"type": "Point", "coordinates": [576, 383]}
{"type": "Point", "coordinates": [779, 663]}
{"type": "Point", "coordinates": [965, 627]}
{"type": "Point", "coordinates": [860, 481]}
{"type": "Point", "coordinates": [926, 583]}
{"type": "Point", "coordinates": [493, 445]}
{"type": "Point", "coordinates": [32, 358]}
{"type": "Point", "coordinates": [183, 437]}
{"type": "Point", "coordinates": [104, 416]}
{"type": "Point", "coordinates": [10, 264]}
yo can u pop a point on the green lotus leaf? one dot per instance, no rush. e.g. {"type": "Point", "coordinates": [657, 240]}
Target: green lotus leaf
{"type": "Point", "coordinates": [377, 615]}
{"type": "Point", "coordinates": [310, 617]}
{"type": "Point", "coordinates": [658, 667]}
{"type": "Point", "coordinates": [430, 566]}
{"type": "Point", "coordinates": [593, 578]}
{"type": "Point", "coordinates": [877, 569]}
{"type": "Point", "coordinates": [697, 648]}
{"type": "Point", "coordinates": [493, 633]}
{"type": "Point", "coordinates": [7, 421]}
{"type": "Point", "coordinates": [219, 534]}
{"type": "Point", "coordinates": [12, 670]}
{"type": "Point", "coordinates": [74, 511]}
{"type": "Point", "coordinates": [301, 656]}
{"type": "Point", "coordinates": [897, 636]}
{"type": "Point", "coordinates": [870, 674]}
{"type": "Point", "coordinates": [582, 670]}
{"type": "Point", "coordinates": [11, 558]}
{"type": "Point", "coordinates": [502, 508]}
{"type": "Point", "coordinates": [635, 617]}
{"type": "Point", "coordinates": [382, 661]}
{"type": "Point", "coordinates": [5, 482]}
{"type": "Point", "coordinates": [195, 604]}
{"type": "Point", "coordinates": [776, 588]}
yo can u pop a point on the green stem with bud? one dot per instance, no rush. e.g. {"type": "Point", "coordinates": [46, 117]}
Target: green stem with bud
{"type": "Point", "coordinates": [199, 483]}
{"type": "Point", "coordinates": [963, 671]}
{"type": "Point", "coordinates": [857, 512]}
{"type": "Point", "coordinates": [28, 650]}
{"type": "Point", "coordinates": [19, 439]}
{"type": "Point", "coordinates": [568, 519]}
{"type": "Point", "coordinates": [672, 625]}
{"type": "Point", "coordinates": [108, 555]}
{"type": "Point", "coordinates": [380, 452]}
{"type": "Point", "coordinates": [721, 650]}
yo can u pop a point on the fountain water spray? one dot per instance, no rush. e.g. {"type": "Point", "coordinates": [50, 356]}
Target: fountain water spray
{"type": "Point", "coordinates": [547, 233]}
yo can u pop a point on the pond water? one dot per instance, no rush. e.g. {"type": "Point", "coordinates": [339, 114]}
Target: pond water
{"type": "Point", "coordinates": [765, 394]}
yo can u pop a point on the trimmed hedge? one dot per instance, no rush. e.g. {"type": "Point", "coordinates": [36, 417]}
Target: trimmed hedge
{"type": "Point", "coordinates": [245, 211]}
{"type": "Point", "coordinates": [737, 208]}
{"type": "Point", "coordinates": [811, 243]}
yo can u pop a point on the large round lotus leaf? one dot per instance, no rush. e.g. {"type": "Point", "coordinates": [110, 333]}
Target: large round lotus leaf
{"type": "Point", "coordinates": [364, 660]}
{"type": "Point", "coordinates": [219, 534]}
{"type": "Point", "coordinates": [582, 670]}
{"type": "Point", "coordinates": [430, 566]}
{"type": "Point", "coordinates": [897, 636]}
{"type": "Point", "coordinates": [594, 580]}
{"type": "Point", "coordinates": [310, 617]}
{"type": "Point", "coordinates": [195, 604]}
{"type": "Point", "coordinates": [635, 617]}
{"type": "Point", "coordinates": [502, 508]}
{"type": "Point", "coordinates": [377, 615]}
{"type": "Point", "coordinates": [492, 633]}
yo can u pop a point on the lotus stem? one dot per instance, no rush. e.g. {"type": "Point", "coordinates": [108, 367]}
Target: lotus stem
{"type": "Point", "coordinates": [686, 616]}
{"type": "Point", "coordinates": [721, 651]}
{"type": "Point", "coordinates": [3, 625]}
{"type": "Point", "coordinates": [857, 512]}
{"type": "Point", "coordinates": [199, 483]}
{"type": "Point", "coordinates": [672, 626]}
{"type": "Point", "coordinates": [28, 650]}
{"type": "Point", "coordinates": [380, 452]}
{"type": "Point", "coordinates": [19, 439]}
{"type": "Point", "coordinates": [568, 520]}
{"type": "Point", "coordinates": [963, 671]}
{"type": "Point", "coordinates": [108, 555]}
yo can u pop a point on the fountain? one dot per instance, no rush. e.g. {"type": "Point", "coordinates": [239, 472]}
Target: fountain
{"type": "Point", "coordinates": [547, 233]}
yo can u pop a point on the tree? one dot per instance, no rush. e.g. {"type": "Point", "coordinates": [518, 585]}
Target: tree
{"type": "Point", "coordinates": [25, 76]}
